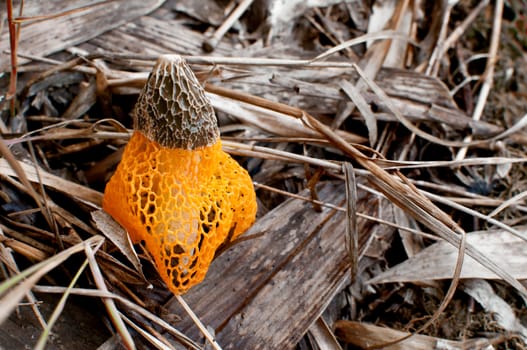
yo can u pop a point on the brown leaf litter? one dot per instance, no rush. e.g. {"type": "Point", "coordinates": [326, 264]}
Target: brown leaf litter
{"type": "Point", "coordinates": [386, 142]}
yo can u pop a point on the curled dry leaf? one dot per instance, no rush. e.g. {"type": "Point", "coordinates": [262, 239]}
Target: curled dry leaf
{"type": "Point", "coordinates": [117, 235]}
{"type": "Point", "coordinates": [438, 260]}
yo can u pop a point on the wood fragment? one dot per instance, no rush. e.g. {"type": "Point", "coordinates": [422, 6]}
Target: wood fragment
{"type": "Point", "coordinates": [52, 35]}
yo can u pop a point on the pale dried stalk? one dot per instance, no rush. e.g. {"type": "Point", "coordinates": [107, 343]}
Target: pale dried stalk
{"type": "Point", "coordinates": [382, 35]}
{"type": "Point", "coordinates": [127, 303]}
{"type": "Point", "coordinates": [437, 54]}
{"type": "Point", "coordinates": [462, 27]}
{"type": "Point", "coordinates": [155, 341]}
{"type": "Point", "coordinates": [19, 170]}
{"type": "Point", "coordinates": [41, 343]}
{"type": "Point", "coordinates": [213, 41]}
{"type": "Point", "coordinates": [6, 255]}
{"type": "Point", "coordinates": [33, 274]}
{"type": "Point", "coordinates": [29, 173]}
{"type": "Point", "coordinates": [198, 323]}
{"type": "Point", "coordinates": [113, 312]}
{"type": "Point", "coordinates": [352, 233]}
{"type": "Point", "coordinates": [489, 72]}
{"type": "Point", "coordinates": [509, 202]}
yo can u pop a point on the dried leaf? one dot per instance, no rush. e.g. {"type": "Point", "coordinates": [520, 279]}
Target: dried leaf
{"type": "Point", "coordinates": [367, 336]}
{"type": "Point", "coordinates": [371, 122]}
{"type": "Point", "coordinates": [118, 236]}
{"type": "Point", "coordinates": [438, 260]}
{"type": "Point", "coordinates": [501, 311]}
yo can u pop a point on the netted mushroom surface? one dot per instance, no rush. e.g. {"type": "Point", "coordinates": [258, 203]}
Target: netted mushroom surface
{"type": "Point", "coordinates": [172, 108]}
{"type": "Point", "coordinates": [182, 203]}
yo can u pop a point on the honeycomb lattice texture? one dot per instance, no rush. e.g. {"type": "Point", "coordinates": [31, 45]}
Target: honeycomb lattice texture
{"type": "Point", "coordinates": [183, 204]}
{"type": "Point", "coordinates": [173, 109]}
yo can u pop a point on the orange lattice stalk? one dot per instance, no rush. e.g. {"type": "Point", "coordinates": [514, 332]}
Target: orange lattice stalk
{"type": "Point", "coordinates": [175, 189]}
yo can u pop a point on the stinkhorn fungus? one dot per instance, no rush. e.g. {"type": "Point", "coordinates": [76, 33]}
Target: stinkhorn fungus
{"type": "Point", "coordinates": [175, 189]}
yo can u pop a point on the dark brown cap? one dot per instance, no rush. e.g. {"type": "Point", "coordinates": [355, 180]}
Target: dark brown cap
{"type": "Point", "coordinates": [172, 108]}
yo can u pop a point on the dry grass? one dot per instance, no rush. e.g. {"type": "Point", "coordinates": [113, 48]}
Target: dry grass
{"type": "Point", "coordinates": [441, 136]}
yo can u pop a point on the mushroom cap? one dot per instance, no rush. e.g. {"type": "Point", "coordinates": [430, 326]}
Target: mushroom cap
{"type": "Point", "coordinates": [172, 108]}
{"type": "Point", "coordinates": [183, 204]}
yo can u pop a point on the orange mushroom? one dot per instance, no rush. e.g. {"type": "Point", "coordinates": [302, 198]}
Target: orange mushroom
{"type": "Point", "coordinates": [175, 189]}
